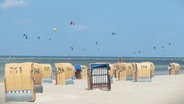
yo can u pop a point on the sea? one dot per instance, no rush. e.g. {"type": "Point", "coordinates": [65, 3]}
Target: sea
{"type": "Point", "coordinates": [161, 63]}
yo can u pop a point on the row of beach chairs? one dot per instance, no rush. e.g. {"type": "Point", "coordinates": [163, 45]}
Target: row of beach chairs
{"type": "Point", "coordinates": [23, 80]}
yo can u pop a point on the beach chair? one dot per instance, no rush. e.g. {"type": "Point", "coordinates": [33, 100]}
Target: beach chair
{"type": "Point", "coordinates": [65, 73]}
{"type": "Point", "coordinates": [19, 83]}
{"type": "Point", "coordinates": [83, 72]}
{"type": "Point", "coordinates": [98, 76]}
{"type": "Point", "coordinates": [152, 67]}
{"type": "Point", "coordinates": [124, 71]}
{"type": "Point", "coordinates": [116, 69]}
{"type": "Point", "coordinates": [174, 68]}
{"type": "Point", "coordinates": [111, 70]}
{"type": "Point", "coordinates": [47, 72]}
{"type": "Point", "coordinates": [37, 75]}
{"type": "Point", "coordinates": [141, 72]}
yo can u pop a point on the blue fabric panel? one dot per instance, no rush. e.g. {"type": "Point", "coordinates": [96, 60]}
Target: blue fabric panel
{"type": "Point", "coordinates": [77, 67]}
{"type": "Point", "coordinates": [99, 65]}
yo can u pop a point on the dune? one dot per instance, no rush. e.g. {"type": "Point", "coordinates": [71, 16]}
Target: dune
{"type": "Point", "coordinates": [164, 89]}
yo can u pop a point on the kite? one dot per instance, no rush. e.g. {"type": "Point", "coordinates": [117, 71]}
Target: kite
{"type": "Point", "coordinates": [139, 52]}
{"type": "Point", "coordinates": [25, 36]}
{"type": "Point", "coordinates": [54, 29]}
{"type": "Point", "coordinates": [72, 23]}
{"type": "Point", "coordinates": [96, 42]}
{"type": "Point", "coordinates": [84, 49]}
{"type": "Point", "coordinates": [72, 48]}
{"type": "Point", "coordinates": [113, 33]}
{"type": "Point", "coordinates": [169, 43]}
{"type": "Point", "coordinates": [154, 47]}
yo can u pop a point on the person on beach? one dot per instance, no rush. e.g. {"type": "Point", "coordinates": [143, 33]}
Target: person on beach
{"type": "Point", "coordinates": [120, 59]}
{"type": "Point", "coordinates": [69, 59]}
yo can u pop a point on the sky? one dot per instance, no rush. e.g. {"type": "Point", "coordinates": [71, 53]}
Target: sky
{"type": "Point", "coordinates": [143, 28]}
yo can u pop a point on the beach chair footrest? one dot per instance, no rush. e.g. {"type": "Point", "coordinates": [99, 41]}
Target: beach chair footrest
{"type": "Point", "coordinates": [19, 96]}
{"type": "Point", "coordinates": [144, 80]}
{"type": "Point", "coordinates": [69, 81]}
{"type": "Point", "coordinates": [47, 80]}
{"type": "Point", "coordinates": [39, 88]}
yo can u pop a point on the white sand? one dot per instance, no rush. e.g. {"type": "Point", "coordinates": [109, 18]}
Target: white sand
{"type": "Point", "coordinates": [163, 89]}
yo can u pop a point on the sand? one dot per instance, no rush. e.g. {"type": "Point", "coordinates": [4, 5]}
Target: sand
{"type": "Point", "coordinates": [164, 89]}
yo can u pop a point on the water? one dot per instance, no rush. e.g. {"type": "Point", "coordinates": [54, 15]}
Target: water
{"type": "Point", "coordinates": [161, 64]}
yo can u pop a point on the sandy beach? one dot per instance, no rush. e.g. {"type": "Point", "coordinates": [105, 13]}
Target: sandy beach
{"type": "Point", "coordinates": [164, 89]}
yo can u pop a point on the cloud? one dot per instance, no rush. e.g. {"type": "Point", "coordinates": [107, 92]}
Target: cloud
{"type": "Point", "coordinates": [12, 3]}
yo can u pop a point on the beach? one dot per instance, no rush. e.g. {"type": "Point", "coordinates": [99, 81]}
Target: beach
{"type": "Point", "coordinates": [164, 89]}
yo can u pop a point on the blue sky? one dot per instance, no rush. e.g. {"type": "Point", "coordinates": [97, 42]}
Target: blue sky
{"type": "Point", "coordinates": [144, 28]}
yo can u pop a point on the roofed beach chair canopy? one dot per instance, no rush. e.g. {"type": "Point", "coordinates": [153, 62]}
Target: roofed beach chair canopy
{"type": "Point", "coordinates": [142, 72]}
{"type": "Point", "coordinates": [65, 73]}
{"type": "Point", "coordinates": [98, 76]}
{"type": "Point", "coordinates": [47, 72]}
{"type": "Point", "coordinates": [22, 81]}
{"type": "Point", "coordinates": [174, 68]}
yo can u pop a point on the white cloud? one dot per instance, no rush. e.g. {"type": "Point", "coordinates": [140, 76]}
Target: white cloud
{"type": "Point", "coordinates": [12, 3]}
